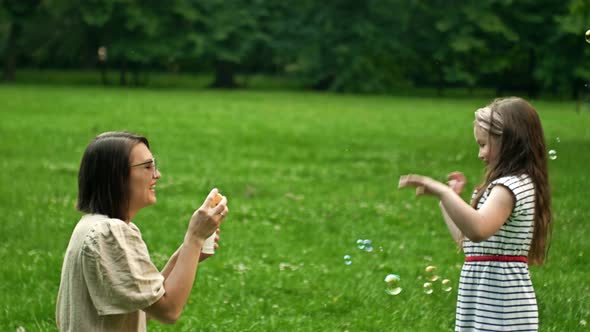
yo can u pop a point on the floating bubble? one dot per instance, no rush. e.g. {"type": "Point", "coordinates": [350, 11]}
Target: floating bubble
{"type": "Point", "coordinates": [558, 140]}
{"type": "Point", "coordinates": [428, 288]}
{"type": "Point", "coordinates": [588, 36]}
{"type": "Point", "coordinates": [392, 284]}
{"type": "Point", "coordinates": [360, 244]}
{"type": "Point", "coordinates": [446, 285]}
{"type": "Point", "coordinates": [552, 154]}
{"type": "Point", "coordinates": [368, 244]}
{"type": "Point", "coordinates": [347, 260]}
{"type": "Point", "coordinates": [431, 273]}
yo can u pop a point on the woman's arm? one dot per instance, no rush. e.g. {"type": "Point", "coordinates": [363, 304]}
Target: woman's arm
{"type": "Point", "coordinates": [172, 261]}
{"type": "Point", "coordinates": [182, 267]}
{"type": "Point", "coordinates": [178, 283]}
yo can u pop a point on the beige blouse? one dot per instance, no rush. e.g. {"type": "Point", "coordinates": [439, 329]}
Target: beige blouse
{"type": "Point", "coordinates": [107, 278]}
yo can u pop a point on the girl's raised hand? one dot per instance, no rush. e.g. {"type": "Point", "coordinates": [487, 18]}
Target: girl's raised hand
{"type": "Point", "coordinates": [457, 182]}
{"type": "Point", "coordinates": [424, 185]}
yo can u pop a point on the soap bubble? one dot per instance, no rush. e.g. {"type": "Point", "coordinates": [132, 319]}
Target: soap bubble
{"type": "Point", "coordinates": [347, 260]}
{"type": "Point", "coordinates": [446, 285]}
{"type": "Point", "coordinates": [360, 244]}
{"type": "Point", "coordinates": [431, 273]}
{"type": "Point", "coordinates": [392, 284]}
{"type": "Point", "coordinates": [368, 245]}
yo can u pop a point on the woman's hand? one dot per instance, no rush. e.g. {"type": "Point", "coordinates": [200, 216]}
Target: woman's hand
{"type": "Point", "coordinates": [203, 255]}
{"type": "Point", "coordinates": [457, 182]}
{"type": "Point", "coordinates": [206, 219]}
{"type": "Point", "coordinates": [424, 185]}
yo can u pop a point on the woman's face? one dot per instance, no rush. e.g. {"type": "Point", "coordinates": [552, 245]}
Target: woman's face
{"type": "Point", "coordinates": [142, 180]}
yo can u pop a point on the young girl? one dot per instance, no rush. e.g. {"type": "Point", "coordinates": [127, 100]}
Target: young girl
{"type": "Point", "coordinates": [508, 223]}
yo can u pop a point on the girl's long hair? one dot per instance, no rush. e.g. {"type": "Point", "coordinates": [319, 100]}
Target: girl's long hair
{"type": "Point", "coordinates": [522, 150]}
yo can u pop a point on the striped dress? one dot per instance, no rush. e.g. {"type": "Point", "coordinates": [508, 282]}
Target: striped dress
{"type": "Point", "coordinates": [499, 296]}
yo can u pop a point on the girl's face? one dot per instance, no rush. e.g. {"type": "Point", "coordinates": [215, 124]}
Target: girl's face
{"type": "Point", "coordinates": [488, 145]}
{"type": "Point", "coordinates": [142, 180]}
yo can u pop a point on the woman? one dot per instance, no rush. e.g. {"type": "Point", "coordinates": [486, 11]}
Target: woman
{"type": "Point", "coordinates": [108, 282]}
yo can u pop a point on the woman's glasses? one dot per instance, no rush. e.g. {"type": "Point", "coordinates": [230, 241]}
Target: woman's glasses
{"type": "Point", "coordinates": [152, 164]}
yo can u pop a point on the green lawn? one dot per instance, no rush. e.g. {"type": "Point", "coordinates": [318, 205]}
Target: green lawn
{"type": "Point", "coordinates": [306, 175]}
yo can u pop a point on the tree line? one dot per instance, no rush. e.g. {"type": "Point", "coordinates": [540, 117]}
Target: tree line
{"type": "Point", "coordinates": [372, 46]}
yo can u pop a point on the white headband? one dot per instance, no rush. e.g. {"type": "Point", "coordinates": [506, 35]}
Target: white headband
{"type": "Point", "coordinates": [483, 117]}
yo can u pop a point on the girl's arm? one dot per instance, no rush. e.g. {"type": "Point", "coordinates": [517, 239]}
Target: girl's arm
{"type": "Point", "coordinates": [456, 182]}
{"type": "Point", "coordinates": [455, 232]}
{"type": "Point", "coordinates": [476, 225]}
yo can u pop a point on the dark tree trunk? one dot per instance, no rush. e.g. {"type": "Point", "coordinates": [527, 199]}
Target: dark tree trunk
{"type": "Point", "coordinates": [440, 81]}
{"type": "Point", "coordinates": [576, 83]}
{"type": "Point", "coordinates": [225, 72]}
{"type": "Point", "coordinates": [11, 52]}
{"type": "Point", "coordinates": [532, 85]}
{"type": "Point", "coordinates": [500, 83]}
{"type": "Point", "coordinates": [103, 73]}
{"type": "Point", "coordinates": [136, 74]}
{"type": "Point", "coordinates": [324, 83]}
{"type": "Point", "coordinates": [577, 94]}
{"type": "Point", "coordinates": [123, 73]}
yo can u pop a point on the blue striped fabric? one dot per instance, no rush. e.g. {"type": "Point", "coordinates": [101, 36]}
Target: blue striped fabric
{"type": "Point", "coordinates": [499, 296]}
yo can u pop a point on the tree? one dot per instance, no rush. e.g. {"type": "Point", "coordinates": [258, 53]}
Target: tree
{"type": "Point", "coordinates": [533, 23]}
{"type": "Point", "coordinates": [232, 31]}
{"type": "Point", "coordinates": [136, 35]}
{"type": "Point", "coordinates": [348, 45]}
{"type": "Point", "coordinates": [18, 13]}
{"type": "Point", "coordinates": [564, 66]}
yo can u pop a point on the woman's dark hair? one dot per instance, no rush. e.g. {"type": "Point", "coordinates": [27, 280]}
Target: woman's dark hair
{"type": "Point", "coordinates": [103, 180]}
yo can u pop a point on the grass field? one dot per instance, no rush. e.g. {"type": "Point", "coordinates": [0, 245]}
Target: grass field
{"type": "Point", "coordinates": [306, 175]}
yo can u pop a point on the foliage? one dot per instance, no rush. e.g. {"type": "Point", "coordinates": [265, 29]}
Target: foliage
{"type": "Point", "coordinates": [375, 46]}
